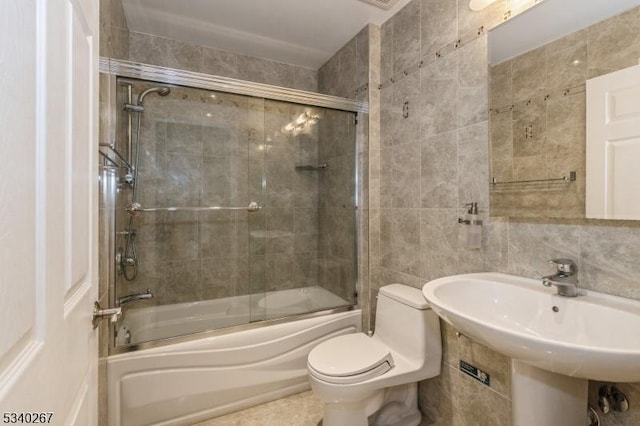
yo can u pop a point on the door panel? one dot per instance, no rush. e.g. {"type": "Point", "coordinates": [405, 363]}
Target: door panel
{"type": "Point", "coordinates": [17, 182]}
{"type": "Point", "coordinates": [48, 274]}
{"type": "Point", "coordinates": [79, 114]}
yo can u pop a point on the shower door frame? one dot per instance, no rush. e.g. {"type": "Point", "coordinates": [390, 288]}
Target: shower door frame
{"type": "Point", "coordinates": [111, 69]}
{"type": "Point", "coordinates": [121, 68]}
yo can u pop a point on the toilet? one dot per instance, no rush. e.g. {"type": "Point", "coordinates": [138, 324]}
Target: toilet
{"type": "Point", "coordinates": [365, 379]}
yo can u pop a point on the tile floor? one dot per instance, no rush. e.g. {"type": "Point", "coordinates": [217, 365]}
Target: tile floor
{"type": "Point", "coordinates": [302, 409]}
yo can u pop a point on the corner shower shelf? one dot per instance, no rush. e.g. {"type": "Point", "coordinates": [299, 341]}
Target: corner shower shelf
{"type": "Point", "coordinates": [570, 178]}
{"type": "Point", "coordinates": [313, 167]}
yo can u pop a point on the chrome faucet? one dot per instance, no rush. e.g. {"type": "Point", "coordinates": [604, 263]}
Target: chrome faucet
{"type": "Point", "coordinates": [565, 278]}
{"type": "Point", "coordinates": [133, 297]}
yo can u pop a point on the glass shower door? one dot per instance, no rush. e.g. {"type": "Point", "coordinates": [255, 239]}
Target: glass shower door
{"type": "Point", "coordinates": [304, 245]}
{"type": "Point", "coordinates": [191, 255]}
{"type": "Point", "coordinates": [196, 179]}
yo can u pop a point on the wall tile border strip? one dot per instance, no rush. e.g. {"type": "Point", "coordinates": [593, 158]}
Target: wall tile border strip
{"type": "Point", "coordinates": [361, 90]}
{"type": "Point", "coordinates": [568, 91]}
{"type": "Point", "coordinates": [449, 48]}
{"type": "Point", "coordinates": [443, 52]}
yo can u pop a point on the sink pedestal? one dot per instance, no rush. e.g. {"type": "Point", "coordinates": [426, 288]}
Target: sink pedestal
{"type": "Point", "coordinates": [540, 397]}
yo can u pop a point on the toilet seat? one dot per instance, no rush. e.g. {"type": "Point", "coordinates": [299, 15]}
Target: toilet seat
{"type": "Point", "coordinates": [351, 358]}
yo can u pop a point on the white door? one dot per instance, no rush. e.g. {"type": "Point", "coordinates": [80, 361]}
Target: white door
{"type": "Point", "coordinates": [613, 145]}
{"type": "Point", "coordinates": [48, 182]}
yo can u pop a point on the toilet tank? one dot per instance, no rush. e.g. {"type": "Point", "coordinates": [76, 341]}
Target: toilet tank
{"type": "Point", "coordinates": [406, 323]}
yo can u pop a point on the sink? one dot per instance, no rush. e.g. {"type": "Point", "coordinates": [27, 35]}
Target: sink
{"type": "Point", "coordinates": [593, 336]}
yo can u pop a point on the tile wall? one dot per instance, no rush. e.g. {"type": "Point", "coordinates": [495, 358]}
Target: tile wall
{"type": "Point", "coordinates": [346, 73]}
{"type": "Point", "coordinates": [114, 33]}
{"type": "Point", "coordinates": [170, 53]}
{"type": "Point", "coordinates": [434, 158]}
{"type": "Point", "coordinates": [116, 41]}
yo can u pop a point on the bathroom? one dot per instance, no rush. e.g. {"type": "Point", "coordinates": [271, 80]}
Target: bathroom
{"type": "Point", "coordinates": [431, 95]}
{"type": "Point", "coordinates": [413, 235]}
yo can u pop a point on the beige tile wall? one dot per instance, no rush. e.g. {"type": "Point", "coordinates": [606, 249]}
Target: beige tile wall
{"type": "Point", "coordinates": [170, 53]}
{"type": "Point", "coordinates": [432, 162]}
{"type": "Point", "coordinates": [114, 33]}
{"type": "Point", "coordinates": [116, 41]}
{"type": "Point", "coordinates": [346, 73]}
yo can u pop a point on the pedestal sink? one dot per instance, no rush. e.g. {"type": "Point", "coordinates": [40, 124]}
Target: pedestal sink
{"type": "Point", "coordinates": [556, 343]}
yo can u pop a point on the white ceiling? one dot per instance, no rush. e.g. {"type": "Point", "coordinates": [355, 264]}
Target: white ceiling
{"type": "Point", "coordinates": [299, 32]}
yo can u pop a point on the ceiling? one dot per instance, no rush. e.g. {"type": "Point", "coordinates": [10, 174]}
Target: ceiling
{"type": "Point", "coordinates": [299, 32]}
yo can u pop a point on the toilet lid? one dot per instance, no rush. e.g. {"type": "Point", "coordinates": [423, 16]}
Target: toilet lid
{"type": "Point", "coordinates": [350, 358]}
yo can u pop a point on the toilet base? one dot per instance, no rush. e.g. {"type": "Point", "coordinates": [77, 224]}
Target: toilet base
{"type": "Point", "coordinates": [396, 406]}
{"type": "Point", "coordinates": [352, 413]}
{"type": "Point", "coordinates": [399, 408]}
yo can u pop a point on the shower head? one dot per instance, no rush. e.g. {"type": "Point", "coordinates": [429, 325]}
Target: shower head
{"type": "Point", "coordinates": [161, 90]}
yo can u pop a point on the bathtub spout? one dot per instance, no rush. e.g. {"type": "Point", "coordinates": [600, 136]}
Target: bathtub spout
{"type": "Point", "coordinates": [133, 297]}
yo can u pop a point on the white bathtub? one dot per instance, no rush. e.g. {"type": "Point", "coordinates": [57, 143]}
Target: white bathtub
{"type": "Point", "coordinates": [161, 322]}
{"type": "Point", "coordinates": [187, 382]}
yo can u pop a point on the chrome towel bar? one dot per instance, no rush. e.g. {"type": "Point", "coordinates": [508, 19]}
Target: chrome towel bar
{"type": "Point", "coordinates": [135, 208]}
{"type": "Point", "coordinates": [570, 178]}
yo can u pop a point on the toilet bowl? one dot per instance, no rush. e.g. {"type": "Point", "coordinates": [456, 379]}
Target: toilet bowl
{"type": "Point", "coordinates": [362, 379]}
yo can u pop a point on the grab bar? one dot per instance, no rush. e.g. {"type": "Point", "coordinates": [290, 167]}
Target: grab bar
{"type": "Point", "coordinates": [135, 208]}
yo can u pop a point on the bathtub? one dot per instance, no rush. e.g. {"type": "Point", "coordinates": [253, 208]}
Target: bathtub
{"type": "Point", "coordinates": [162, 322]}
{"type": "Point", "coordinates": [190, 381]}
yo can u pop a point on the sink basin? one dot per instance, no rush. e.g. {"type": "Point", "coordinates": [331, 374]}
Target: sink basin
{"type": "Point", "coordinates": [593, 336]}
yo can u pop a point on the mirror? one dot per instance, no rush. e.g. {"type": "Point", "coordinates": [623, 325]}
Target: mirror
{"type": "Point", "coordinates": [539, 64]}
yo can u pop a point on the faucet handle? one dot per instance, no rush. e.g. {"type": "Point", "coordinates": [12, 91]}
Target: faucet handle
{"type": "Point", "coordinates": [99, 314]}
{"type": "Point", "coordinates": [566, 266]}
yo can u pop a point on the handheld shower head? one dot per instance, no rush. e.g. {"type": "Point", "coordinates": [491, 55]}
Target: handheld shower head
{"type": "Point", "coordinates": [161, 91]}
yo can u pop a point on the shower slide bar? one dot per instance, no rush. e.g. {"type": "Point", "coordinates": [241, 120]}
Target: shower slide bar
{"type": "Point", "coordinates": [135, 208]}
